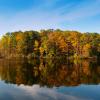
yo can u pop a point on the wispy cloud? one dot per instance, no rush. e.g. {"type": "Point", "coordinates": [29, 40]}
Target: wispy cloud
{"type": "Point", "coordinates": [49, 14]}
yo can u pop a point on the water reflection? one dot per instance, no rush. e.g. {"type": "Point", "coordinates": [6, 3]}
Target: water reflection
{"type": "Point", "coordinates": [50, 73]}
{"type": "Point", "coordinates": [35, 92]}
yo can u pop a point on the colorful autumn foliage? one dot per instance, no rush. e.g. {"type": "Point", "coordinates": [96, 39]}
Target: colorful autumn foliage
{"type": "Point", "coordinates": [50, 43]}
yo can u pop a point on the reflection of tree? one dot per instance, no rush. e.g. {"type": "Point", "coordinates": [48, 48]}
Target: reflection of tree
{"type": "Point", "coordinates": [51, 72]}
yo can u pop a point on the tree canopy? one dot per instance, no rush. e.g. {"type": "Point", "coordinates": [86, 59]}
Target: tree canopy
{"type": "Point", "coordinates": [50, 43]}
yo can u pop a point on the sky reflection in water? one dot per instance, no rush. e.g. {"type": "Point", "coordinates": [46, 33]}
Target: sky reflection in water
{"type": "Point", "coordinates": [35, 92]}
{"type": "Point", "coordinates": [49, 80]}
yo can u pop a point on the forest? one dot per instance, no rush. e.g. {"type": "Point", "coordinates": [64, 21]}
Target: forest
{"type": "Point", "coordinates": [50, 43]}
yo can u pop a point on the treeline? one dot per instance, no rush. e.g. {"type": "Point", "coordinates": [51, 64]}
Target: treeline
{"type": "Point", "coordinates": [50, 43]}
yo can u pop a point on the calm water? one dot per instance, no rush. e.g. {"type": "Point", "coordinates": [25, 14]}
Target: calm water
{"type": "Point", "coordinates": [49, 80]}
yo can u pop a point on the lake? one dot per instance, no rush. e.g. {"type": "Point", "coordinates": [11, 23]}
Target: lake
{"type": "Point", "coordinates": [49, 79]}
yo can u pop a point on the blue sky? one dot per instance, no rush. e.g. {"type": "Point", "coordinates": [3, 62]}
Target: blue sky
{"type": "Point", "coordinates": [81, 15]}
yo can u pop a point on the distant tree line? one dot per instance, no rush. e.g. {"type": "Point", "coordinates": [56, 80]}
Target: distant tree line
{"type": "Point", "coordinates": [50, 43]}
